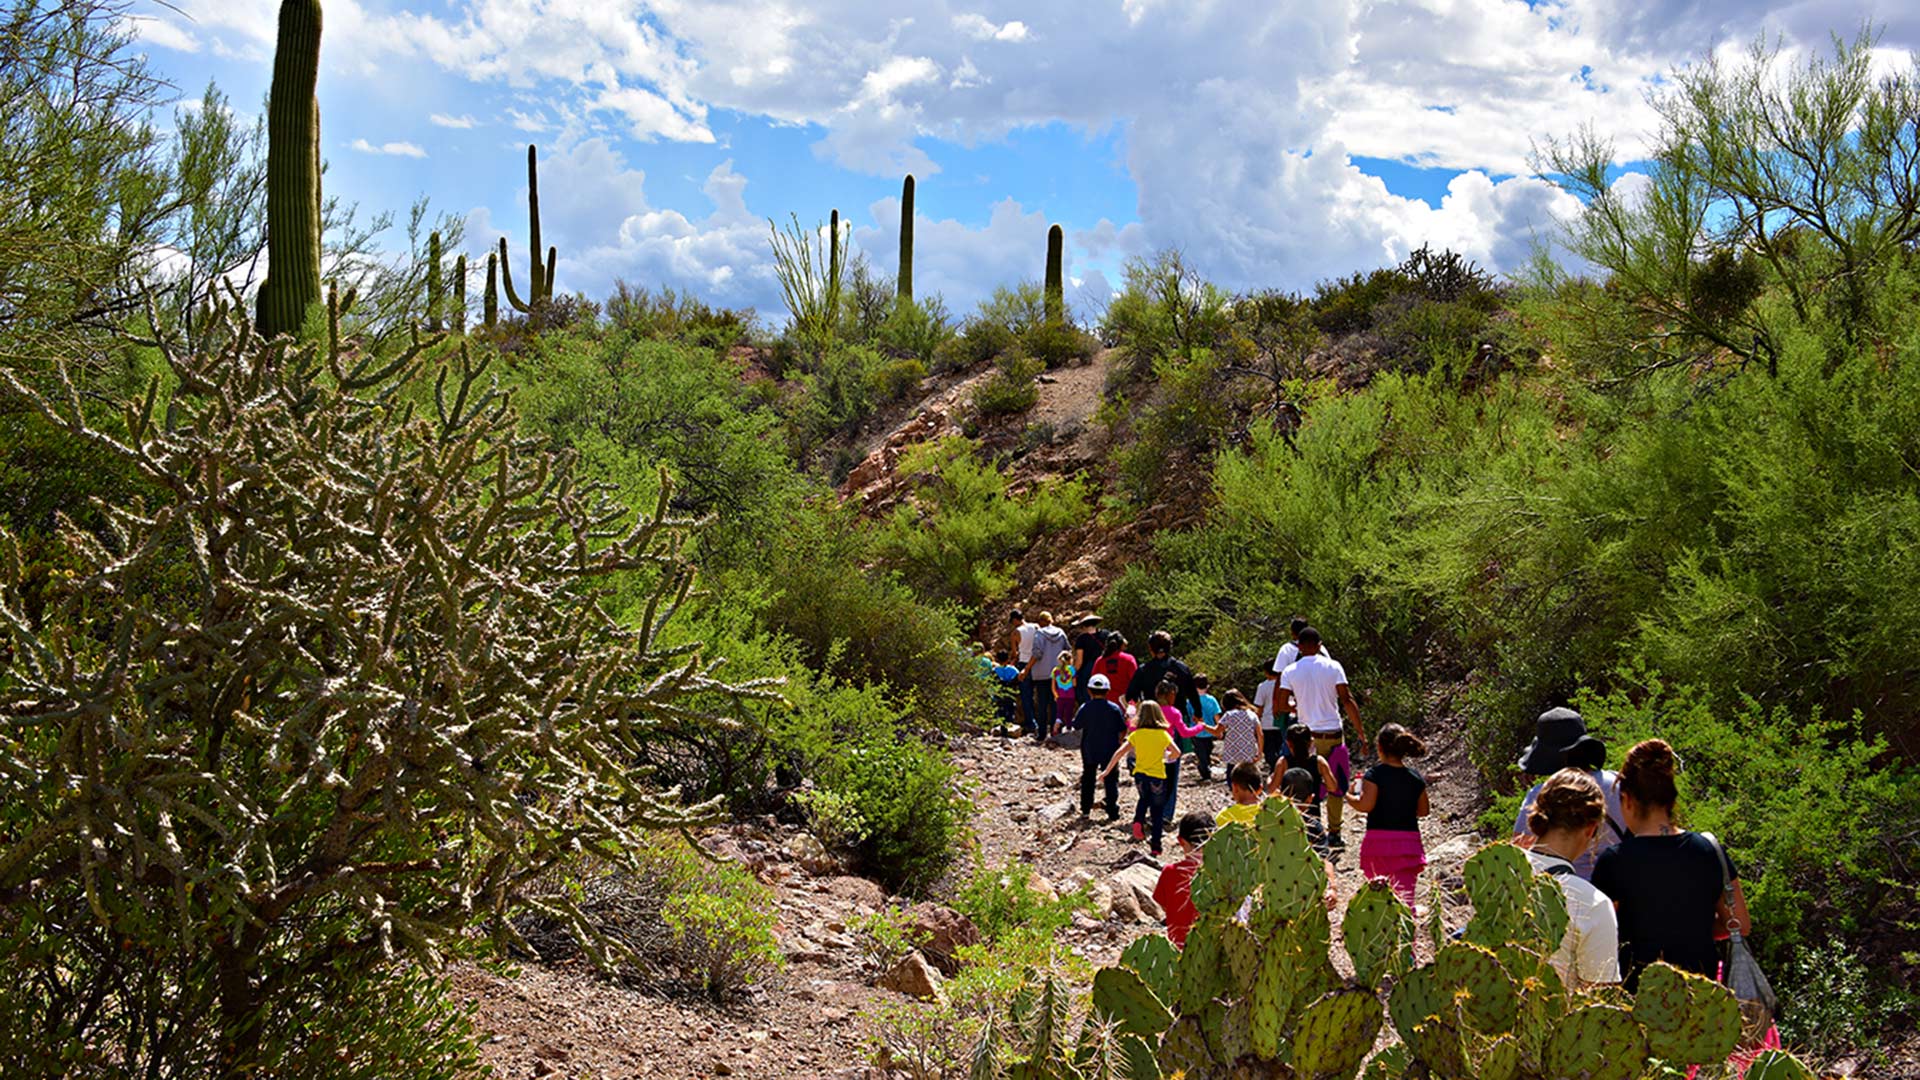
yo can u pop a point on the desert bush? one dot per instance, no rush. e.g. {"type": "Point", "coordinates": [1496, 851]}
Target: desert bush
{"type": "Point", "coordinates": [1347, 305]}
{"type": "Point", "coordinates": [837, 395]}
{"type": "Point", "coordinates": [679, 919]}
{"type": "Point", "coordinates": [675, 316]}
{"type": "Point", "coordinates": [1164, 309]}
{"type": "Point", "coordinates": [1002, 901]}
{"type": "Point", "coordinates": [1837, 1008]}
{"type": "Point", "coordinates": [904, 792]}
{"type": "Point", "coordinates": [884, 938]}
{"type": "Point", "coordinates": [274, 773]}
{"type": "Point", "coordinates": [955, 536]}
{"type": "Point", "coordinates": [1058, 345]}
{"type": "Point", "coordinates": [1009, 390]}
{"type": "Point", "coordinates": [897, 380]}
{"type": "Point", "coordinates": [917, 328]}
{"type": "Point", "coordinates": [979, 342]}
{"type": "Point", "coordinates": [1017, 309]}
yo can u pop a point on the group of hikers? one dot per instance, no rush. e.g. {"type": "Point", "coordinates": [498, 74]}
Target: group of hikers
{"type": "Point", "coordinates": [1639, 888]}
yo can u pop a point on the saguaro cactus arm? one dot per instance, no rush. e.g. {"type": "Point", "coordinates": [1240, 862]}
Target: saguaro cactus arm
{"type": "Point", "coordinates": [293, 173]}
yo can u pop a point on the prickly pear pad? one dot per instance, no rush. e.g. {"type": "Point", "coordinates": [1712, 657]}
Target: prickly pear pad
{"type": "Point", "coordinates": [1229, 871]}
{"type": "Point", "coordinates": [1335, 1034]}
{"type": "Point", "coordinates": [1122, 996]}
{"type": "Point", "coordinates": [1689, 1020]}
{"type": "Point", "coordinates": [1488, 998]}
{"type": "Point", "coordinates": [1155, 959]}
{"type": "Point", "coordinates": [1378, 933]}
{"type": "Point", "coordinates": [1598, 1042]}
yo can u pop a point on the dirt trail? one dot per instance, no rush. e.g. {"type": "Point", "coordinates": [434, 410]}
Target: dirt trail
{"type": "Point", "coordinates": [566, 1021]}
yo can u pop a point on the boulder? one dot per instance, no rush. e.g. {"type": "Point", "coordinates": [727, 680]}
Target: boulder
{"type": "Point", "coordinates": [941, 932]}
{"type": "Point", "coordinates": [1133, 893]}
{"type": "Point", "coordinates": [1056, 780]}
{"type": "Point", "coordinates": [914, 977]}
{"type": "Point", "coordinates": [812, 855]}
{"type": "Point", "coordinates": [1069, 739]}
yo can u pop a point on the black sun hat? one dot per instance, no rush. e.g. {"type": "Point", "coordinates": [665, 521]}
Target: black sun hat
{"type": "Point", "coordinates": [1553, 734]}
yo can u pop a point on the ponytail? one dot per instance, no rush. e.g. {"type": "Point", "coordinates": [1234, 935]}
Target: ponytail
{"type": "Point", "coordinates": [1397, 741]}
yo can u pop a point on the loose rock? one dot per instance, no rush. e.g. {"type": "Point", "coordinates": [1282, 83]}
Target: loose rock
{"type": "Point", "coordinates": [914, 977]}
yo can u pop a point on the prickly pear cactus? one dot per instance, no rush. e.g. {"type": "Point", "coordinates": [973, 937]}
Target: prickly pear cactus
{"type": "Point", "coordinates": [1378, 933]}
{"type": "Point", "coordinates": [1201, 975]}
{"type": "Point", "coordinates": [1242, 950]}
{"type": "Point", "coordinates": [1488, 998]}
{"type": "Point", "coordinates": [1183, 1049]}
{"type": "Point", "coordinates": [1500, 884]}
{"type": "Point", "coordinates": [1597, 1042]}
{"type": "Point", "coordinates": [1335, 1033]}
{"type": "Point", "coordinates": [1292, 878]}
{"type": "Point", "coordinates": [1689, 1020]}
{"type": "Point", "coordinates": [1120, 995]}
{"type": "Point", "coordinates": [1229, 871]}
{"type": "Point", "coordinates": [1777, 1065]}
{"type": "Point", "coordinates": [1155, 960]}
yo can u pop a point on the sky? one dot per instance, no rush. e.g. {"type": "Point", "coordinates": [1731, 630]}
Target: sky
{"type": "Point", "coordinates": [1275, 143]}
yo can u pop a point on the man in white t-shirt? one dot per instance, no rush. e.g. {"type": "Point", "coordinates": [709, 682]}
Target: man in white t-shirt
{"type": "Point", "coordinates": [1291, 650]}
{"type": "Point", "coordinates": [1020, 644]}
{"type": "Point", "coordinates": [1314, 688]}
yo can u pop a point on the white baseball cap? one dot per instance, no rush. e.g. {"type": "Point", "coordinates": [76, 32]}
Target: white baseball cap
{"type": "Point", "coordinates": [1098, 682]}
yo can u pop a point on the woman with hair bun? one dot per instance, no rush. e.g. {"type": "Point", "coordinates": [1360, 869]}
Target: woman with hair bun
{"type": "Point", "coordinates": [1666, 883]}
{"type": "Point", "coordinates": [1566, 813]}
{"type": "Point", "coordinates": [1394, 798]}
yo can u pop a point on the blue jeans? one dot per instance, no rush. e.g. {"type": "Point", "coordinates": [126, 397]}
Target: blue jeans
{"type": "Point", "coordinates": [1030, 698]}
{"type": "Point", "coordinates": [1173, 792]}
{"type": "Point", "coordinates": [1152, 807]}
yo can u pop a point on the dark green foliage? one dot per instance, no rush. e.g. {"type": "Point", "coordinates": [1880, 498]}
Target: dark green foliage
{"type": "Point", "coordinates": [904, 277]}
{"type": "Point", "coordinates": [675, 316]}
{"type": "Point", "coordinates": [1056, 280]}
{"type": "Point", "coordinates": [292, 285]}
{"type": "Point", "coordinates": [1009, 390]}
{"type": "Point", "coordinates": [915, 823]}
{"type": "Point", "coordinates": [1058, 345]}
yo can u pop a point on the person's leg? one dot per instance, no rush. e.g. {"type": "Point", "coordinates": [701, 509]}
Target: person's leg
{"type": "Point", "coordinates": [1275, 741]}
{"type": "Point", "coordinates": [1029, 718]}
{"type": "Point", "coordinates": [1147, 804]}
{"type": "Point", "coordinates": [1336, 801]}
{"type": "Point", "coordinates": [1089, 769]}
{"type": "Point", "coordinates": [1113, 796]}
{"type": "Point", "coordinates": [1158, 812]}
{"type": "Point", "coordinates": [1173, 793]}
{"type": "Point", "coordinates": [1203, 749]}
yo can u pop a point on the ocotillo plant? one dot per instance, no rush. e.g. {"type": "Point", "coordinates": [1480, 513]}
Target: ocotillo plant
{"type": "Point", "coordinates": [1056, 289]}
{"type": "Point", "coordinates": [540, 289]}
{"type": "Point", "coordinates": [435, 284]}
{"type": "Point", "coordinates": [293, 173]}
{"type": "Point", "coordinates": [905, 280]}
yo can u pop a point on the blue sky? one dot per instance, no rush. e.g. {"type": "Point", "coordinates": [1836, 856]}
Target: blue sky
{"type": "Point", "coordinates": [1275, 144]}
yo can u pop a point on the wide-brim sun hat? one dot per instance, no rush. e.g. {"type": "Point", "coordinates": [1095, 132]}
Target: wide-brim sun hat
{"type": "Point", "coordinates": [1088, 619]}
{"type": "Point", "coordinates": [1553, 733]}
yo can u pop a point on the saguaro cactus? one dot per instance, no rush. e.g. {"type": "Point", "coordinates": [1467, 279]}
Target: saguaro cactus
{"type": "Point", "coordinates": [490, 309]}
{"type": "Point", "coordinates": [1056, 289]}
{"type": "Point", "coordinates": [436, 285]}
{"type": "Point", "coordinates": [293, 173]}
{"type": "Point", "coordinates": [460, 294]}
{"type": "Point", "coordinates": [540, 288]}
{"type": "Point", "coordinates": [906, 239]}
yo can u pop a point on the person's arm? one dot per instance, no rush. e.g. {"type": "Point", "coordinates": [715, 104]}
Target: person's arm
{"type": "Point", "coordinates": [1369, 795]}
{"type": "Point", "coordinates": [1424, 809]}
{"type": "Point", "coordinates": [1118, 756]}
{"type": "Point", "coordinates": [1353, 711]}
{"type": "Point", "coordinates": [1725, 914]}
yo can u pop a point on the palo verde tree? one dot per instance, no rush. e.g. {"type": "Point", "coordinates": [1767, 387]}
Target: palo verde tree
{"type": "Point", "coordinates": [1802, 178]}
{"type": "Point", "coordinates": [346, 687]}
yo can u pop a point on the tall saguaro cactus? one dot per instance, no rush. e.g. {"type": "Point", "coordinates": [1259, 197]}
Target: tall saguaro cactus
{"type": "Point", "coordinates": [436, 285]}
{"type": "Point", "coordinates": [833, 244]}
{"type": "Point", "coordinates": [1056, 288]}
{"type": "Point", "coordinates": [490, 306]}
{"type": "Point", "coordinates": [906, 239]}
{"type": "Point", "coordinates": [293, 173]}
{"type": "Point", "coordinates": [540, 288]}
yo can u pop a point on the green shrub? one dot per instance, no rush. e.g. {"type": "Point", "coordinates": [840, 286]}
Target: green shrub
{"type": "Point", "coordinates": [897, 380]}
{"type": "Point", "coordinates": [675, 316]}
{"type": "Point", "coordinates": [1002, 901]}
{"type": "Point", "coordinates": [681, 920]}
{"type": "Point", "coordinates": [837, 394]}
{"type": "Point", "coordinates": [917, 328]}
{"type": "Point", "coordinates": [1059, 345]}
{"type": "Point", "coordinates": [1164, 309]}
{"type": "Point", "coordinates": [956, 535]}
{"type": "Point", "coordinates": [1832, 1006]}
{"type": "Point", "coordinates": [1346, 305]}
{"type": "Point", "coordinates": [884, 938]}
{"type": "Point", "coordinates": [1016, 309]}
{"type": "Point", "coordinates": [1009, 390]}
{"type": "Point", "coordinates": [904, 791]}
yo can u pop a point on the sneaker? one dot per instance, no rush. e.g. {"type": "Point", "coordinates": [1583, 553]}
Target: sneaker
{"type": "Point", "coordinates": [1155, 852]}
{"type": "Point", "coordinates": [1113, 814]}
{"type": "Point", "coordinates": [1139, 831]}
{"type": "Point", "coordinates": [1336, 842]}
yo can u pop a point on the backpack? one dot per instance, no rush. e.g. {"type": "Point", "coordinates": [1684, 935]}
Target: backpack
{"type": "Point", "coordinates": [1758, 1005]}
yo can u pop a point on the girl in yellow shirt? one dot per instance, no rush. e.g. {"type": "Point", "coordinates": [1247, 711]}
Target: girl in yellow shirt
{"type": "Point", "coordinates": [1153, 750]}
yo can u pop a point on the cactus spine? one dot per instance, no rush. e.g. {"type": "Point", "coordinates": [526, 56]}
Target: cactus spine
{"type": "Point", "coordinates": [293, 173]}
{"type": "Point", "coordinates": [906, 240]}
{"type": "Point", "coordinates": [436, 285]}
{"type": "Point", "coordinates": [1056, 288]}
{"type": "Point", "coordinates": [540, 285]}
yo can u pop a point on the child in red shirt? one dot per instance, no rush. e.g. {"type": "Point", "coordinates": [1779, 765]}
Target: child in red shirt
{"type": "Point", "coordinates": [1174, 891]}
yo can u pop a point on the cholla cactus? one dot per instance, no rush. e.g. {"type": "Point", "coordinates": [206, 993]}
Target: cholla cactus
{"type": "Point", "coordinates": [347, 688]}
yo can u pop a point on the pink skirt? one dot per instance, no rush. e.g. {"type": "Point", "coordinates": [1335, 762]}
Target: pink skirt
{"type": "Point", "coordinates": [1394, 854]}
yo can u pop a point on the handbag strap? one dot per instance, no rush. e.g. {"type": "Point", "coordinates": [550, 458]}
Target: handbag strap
{"type": "Point", "coordinates": [1726, 884]}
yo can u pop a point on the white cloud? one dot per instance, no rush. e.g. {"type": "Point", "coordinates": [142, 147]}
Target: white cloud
{"type": "Point", "coordinates": [651, 116]}
{"type": "Point", "coordinates": [390, 149]}
{"type": "Point", "coordinates": [980, 28]}
{"type": "Point", "coordinates": [459, 123]}
{"type": "Point", "coordinates": [164, 34]}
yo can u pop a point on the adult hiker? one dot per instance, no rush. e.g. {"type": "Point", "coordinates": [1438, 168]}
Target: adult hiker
{"type": "Point", "coordinates": [1118, 665]}
{"type": "Point", "coordinates": [1276, 720]}
{"type": "Point", "coordinates": [1089, 642]}
{"type": "Point", "coordinates": [1676, 891]}
{"type": "Point", "coordinates": [1588, 755]}
{"type": "Point", "coordinates": [1290, 652]}
{"type": "Point", "coordinates": [1102, 725]}
{"type": "Point", "coordinates": [1564, 815]}
{"type": "Point", "coordinates": [1020, 631]}
{"type": "Point", "coordinates": [1314, 688]}
{"type": "Point", "coordinates": [1160, 666]}
{"type": "Point", "coordinates": [1036, 685]}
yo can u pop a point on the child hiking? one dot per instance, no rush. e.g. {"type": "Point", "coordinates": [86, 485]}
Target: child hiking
{"type": "Point", "coordinates": [1209, 715]}
{"type": "Point", "coordinates": [1394, 798]}
{"type": "Point", "coordinates": [1174, 891]}
{"type": "Point", "coordinates": [1243, 780]}
{"type": "Point", "coordinates": [1238, 732]}
{"type": "Point", "coordinates": [1153, 750]}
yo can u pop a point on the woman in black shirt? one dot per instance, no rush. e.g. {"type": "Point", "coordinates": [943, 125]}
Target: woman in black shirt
{"type": "Point", "coordinates": [1666, 882]}
{"type": "Point", "coordinates": [1394, 798]}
